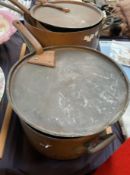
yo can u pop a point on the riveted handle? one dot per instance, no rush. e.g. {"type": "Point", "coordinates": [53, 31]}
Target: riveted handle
{"type": "Point", "coordinates": [41, 58]}
{"type": "Point", "coordinates": [100, 146]}
{"type": "Point", "coordinates": [37, 46]}
{"type": "Point", "coordinates": [108, 19]}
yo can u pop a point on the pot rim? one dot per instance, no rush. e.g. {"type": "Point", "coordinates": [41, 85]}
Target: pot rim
{"type": "Point", "coordinates": [115, 118]}
{"type": "Point", "coordinates": [79, 3]}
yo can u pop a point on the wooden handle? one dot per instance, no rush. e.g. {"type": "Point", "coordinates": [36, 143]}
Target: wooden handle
{"type": "Point", "coordinates": [37, 46]}
{"type": "Point", "coordinates": [4, 129]}
{"type": "Point", "coordinates": [20, 6]}
{"type": "Point", "coordinates": [23, 51]}
{"type": "Point", "coordinates": [8, 114]}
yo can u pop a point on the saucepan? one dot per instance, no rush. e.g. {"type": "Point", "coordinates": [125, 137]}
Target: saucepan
{"type": "Point", "coordinates": [63, 15]}
{"type": "Point", "coordinates": [61, 28]}
{"type": "Point", "coordinates": [64, 109]}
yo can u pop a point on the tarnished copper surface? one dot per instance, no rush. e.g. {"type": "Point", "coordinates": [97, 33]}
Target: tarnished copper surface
{"type": "Point", "coordinates": [82, 95]}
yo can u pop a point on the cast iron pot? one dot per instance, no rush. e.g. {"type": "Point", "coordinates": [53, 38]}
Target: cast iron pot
{"type": "Point", "coordinates": [66, 108]}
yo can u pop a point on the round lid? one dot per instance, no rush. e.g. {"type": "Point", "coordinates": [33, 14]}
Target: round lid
{"type": "Point", "coordinates": [82, 95]}
{"type": "Point", "coordinates": [81, 15]}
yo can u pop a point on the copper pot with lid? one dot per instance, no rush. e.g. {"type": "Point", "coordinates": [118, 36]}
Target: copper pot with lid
{"type": "Point", "coordinates": [63, 15]}
{"type": "Point", "coordinates": [80, 16]}
{"type": "Point", "coordinates": [60, 28]}
{"type": "Point", "coordinates": [69, 104]}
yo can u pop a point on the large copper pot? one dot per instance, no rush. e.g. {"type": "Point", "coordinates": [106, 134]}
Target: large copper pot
{"type": "Point", "coordinates": [86, 37]}
{"type": "Point", "coordinates": [65, 148]}
{"type": "Point", "coordinates": [51, 35]}
{"type": "Point", "coordinates": [64, 110]}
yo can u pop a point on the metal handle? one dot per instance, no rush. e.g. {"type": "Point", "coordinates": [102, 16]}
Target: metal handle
{"type": "Point", "coordinates": [11, 7]}
{"type": "Point", "coordinates": [20, 6]}
{"type": "Point", "coordinates": [48, 4]}
{"type": "Point", "coordinates": [104, 21]}
{"type": "Point", "coordinates": [102, 145]}
{"type": "Point", "coordinates": [37, 46]}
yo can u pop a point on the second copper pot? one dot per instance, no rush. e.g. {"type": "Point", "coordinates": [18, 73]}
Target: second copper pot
{"type": "Point", "coordinates": [87, 37]}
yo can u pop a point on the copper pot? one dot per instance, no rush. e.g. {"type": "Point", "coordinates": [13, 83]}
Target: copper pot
{"type": "Point", "coordinates": [87, 37]}
{"type": "Point", "coordinates": [62, 148]}
{"type": "Point", "coordinates": [51, 35]}
{"type": "Point", "coordinates": [66, 108]}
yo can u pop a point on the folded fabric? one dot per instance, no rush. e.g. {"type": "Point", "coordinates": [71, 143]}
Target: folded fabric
{"type": "Point", "coordinates": [125, 8]}
{"type": "Point", "coordinates": [6, 27]}
{"type": "Point", "coordinates": [118, 163]}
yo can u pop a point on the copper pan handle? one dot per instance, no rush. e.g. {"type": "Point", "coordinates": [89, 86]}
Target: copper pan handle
{"type": "Point", "coordinates": [105, 21]}
{"type": "Point", "coordinates": [11, 7]}
{"type": "Point", "coordinates": [103, 144]}
{"type": "Point", "coordinates": [48, 4]}
{"type": "Point", "coordinates": [20, 6]}
{"type": "Point", "coordinates": [37, 46]}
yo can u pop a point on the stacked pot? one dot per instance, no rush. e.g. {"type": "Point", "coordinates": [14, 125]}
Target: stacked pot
{"type": "Point", "coordinates": [64, 23]}
{"type": "Point", "coordinates": [65, 110]}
